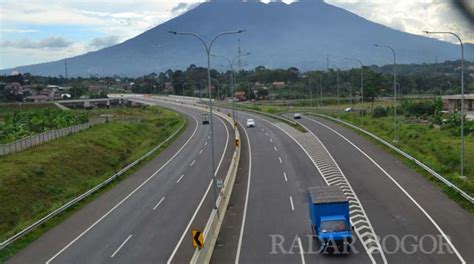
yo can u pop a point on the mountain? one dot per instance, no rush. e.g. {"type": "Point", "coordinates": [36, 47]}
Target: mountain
{"type": "Point", "coordinates": [300, 34]}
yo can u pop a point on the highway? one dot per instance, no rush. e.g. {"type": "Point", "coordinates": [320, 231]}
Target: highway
{"type": "Point", "coordinates": [398, 200]}
{"type": "Point", "coordinates": [146, 217]}
{"type": "Point", "coordinates": [415, 221]}
{"type": "Point", "coordinates": [270, 204]}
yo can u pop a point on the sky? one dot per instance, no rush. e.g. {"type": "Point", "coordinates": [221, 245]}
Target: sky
{"type": "Point", "coordinates": [35, 31]}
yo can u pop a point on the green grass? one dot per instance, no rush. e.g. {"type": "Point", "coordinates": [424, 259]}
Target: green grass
{"type": "Point", "coordinates": [36, 181]}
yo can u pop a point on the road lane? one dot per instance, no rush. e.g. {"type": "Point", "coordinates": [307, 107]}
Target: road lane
{"type": "Point", "coordinates": [277, 204]}
{"type": "Point", "coordinates": [394, 215]}
{"type": "Point", "coordinates": [136, 216]}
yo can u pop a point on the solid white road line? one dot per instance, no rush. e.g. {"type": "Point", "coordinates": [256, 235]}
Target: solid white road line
{"type": "Point", "coordinates": [284, 175]}
{"type": "Point", "coordinates": [301, 250]}
{"type": "Point", "coordinates": [181, 177]}
{"type": "Point", "coordinates": [126, 197]}
{"type": "Point", "coordinates": [244, 216]}
{"type": "Point", "coordinates": [192, 163]}
{"type": "Point", "coordinates": [292, 205]}
{"type": "Point", "coordinates": [186, 230]}
{"type": "Point", "coordinates": [158, 204]}
{"type": "Point", "coordinates": [448, 240]}
{"type": "Point", "coordinates": [279, 158]}
{"type": "Point", "coordinates": [275, 148]}
{"type": "Point", "coordinates": [200, 152]}
{"type": "Point", "coordinates": [120, 247]}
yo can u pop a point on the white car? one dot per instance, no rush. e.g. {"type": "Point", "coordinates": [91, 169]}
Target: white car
{"type": "Point", "coordinates": [297, 116]}
{"type": "Point", "coordinates": [250, 123]}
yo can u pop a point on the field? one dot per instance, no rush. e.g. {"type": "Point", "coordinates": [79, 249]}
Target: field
{"type": "Point", "coordinates": [38, 180]}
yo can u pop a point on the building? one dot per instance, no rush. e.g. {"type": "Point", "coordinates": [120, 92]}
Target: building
{"type": "Point", "coordinates": [452, 103]}
{"type": "Point", "coordinates": [278, 85]}
{"type": "Point", "coordinates": [239, 96]}
{"type": "Point", "coordinates": [36, 98]}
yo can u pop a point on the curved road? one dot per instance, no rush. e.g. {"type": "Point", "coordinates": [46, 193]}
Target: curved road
{"type": "Point", "coordinates": [146, 216]}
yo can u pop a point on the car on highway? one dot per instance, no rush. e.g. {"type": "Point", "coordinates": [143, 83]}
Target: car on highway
{"type": "Point", "coordinates": [297, 116]}
{"type": "Point", "coordinates": [205, 119]}
{"type": "Point", "coordinates": [250, 123]}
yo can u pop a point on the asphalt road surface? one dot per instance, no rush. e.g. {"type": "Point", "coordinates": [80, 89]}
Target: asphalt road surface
{"type": "Point", "coordinates": [147, 216]}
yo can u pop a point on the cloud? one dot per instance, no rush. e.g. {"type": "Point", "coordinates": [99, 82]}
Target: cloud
{"type": "Point", "coordinates": [52, 42]}
{"type": "Point", "coordinates": [102, 42]}
{"type": "Point", "coordinates": [183, 8]}
{"type": "Point", "coordinates": [412, 16]}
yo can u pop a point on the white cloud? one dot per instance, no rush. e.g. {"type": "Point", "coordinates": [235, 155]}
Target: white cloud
{"type": "Point", "coordinates": [102, 42]}
{"type": "Point", "coordinates": [51, 42]}
{"type": "Point", "coordinates": [413, 16]}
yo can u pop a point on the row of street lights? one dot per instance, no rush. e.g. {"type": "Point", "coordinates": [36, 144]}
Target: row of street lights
{"type": "Point", "coordinates": [208, 48]}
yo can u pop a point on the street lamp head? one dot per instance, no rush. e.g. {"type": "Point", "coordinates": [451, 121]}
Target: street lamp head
{"type": "Point", "coordinates": [426, 32]}
{"type": "Point", "coordinates": [376, 45]}
{"type": "Point", "coordinates": [241, 31]}
{"type": "Point", "coordinates": [172, 32]}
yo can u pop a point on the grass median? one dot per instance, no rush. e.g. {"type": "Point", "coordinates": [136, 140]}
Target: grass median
{"type": "Point", "coordinates": [36, 181]}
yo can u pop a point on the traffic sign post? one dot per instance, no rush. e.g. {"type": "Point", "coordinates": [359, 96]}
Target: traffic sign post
{"type": "Point", "coordinates": [197, 238]}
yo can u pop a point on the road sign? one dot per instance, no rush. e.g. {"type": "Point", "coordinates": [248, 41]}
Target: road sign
{"type": "Point", "coordinates": [198, 239]}
{"type": "Point", "coordinates": [220, 183]}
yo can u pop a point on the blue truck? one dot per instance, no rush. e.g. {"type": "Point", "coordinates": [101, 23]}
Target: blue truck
{"type": "Point", "coordinates": [330, 223]}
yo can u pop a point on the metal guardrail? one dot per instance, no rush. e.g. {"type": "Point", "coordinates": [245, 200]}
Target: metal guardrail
{"type": "Point", "coordinates": [406, 155]}
{"type": "Point", "coordinates": [81, 197]}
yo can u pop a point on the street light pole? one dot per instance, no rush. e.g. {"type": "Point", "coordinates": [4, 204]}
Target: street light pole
{"type": "Point", "coordinates": [462, 93]}
{"type": "Point", "coordinates": [394, 89]}
{"type": "Point", "coordinates": [232, 81]}
{"type": "Point", "coordinates": [208, 47]}
{"type": "Point", "coordinates": [361, 85]}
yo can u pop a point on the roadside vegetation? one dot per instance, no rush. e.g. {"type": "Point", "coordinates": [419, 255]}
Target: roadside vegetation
{"type": "Point", "coordinates": [38, 180]}
{"type": "Point", "coordinates": [18, 125]}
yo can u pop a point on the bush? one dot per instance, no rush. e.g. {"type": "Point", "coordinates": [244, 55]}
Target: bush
{"type": "Point", "coordinates": [379, 111]}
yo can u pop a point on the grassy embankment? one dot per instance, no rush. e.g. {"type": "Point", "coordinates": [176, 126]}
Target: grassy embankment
{"type": "Point", "coordinates": [36, 181]}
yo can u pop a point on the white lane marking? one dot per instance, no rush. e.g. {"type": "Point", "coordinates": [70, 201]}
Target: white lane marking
{"type": "Point", "coordinates": [275, 148]}
{"type": "Point", "coordinates": [121, 245]}
{"type": "Point", "coordinates": [301, 250]}
{"type": "Point", "coordinates": [126, 197]}
{"type": "Point", "coordinates": [263, 129]}
{"type": "Point", "coordinates": [192, 163]}
{"type": "Point", "coordinates": [271, 140]}
{"type": "Point", "coordinates": [279, 158]}
{"type": "Point", "coordinates": [181, 177]}
{"type": "Point", "coordinates": [186, 230]}
{"type": "Point", "coordinates": [244, 216]}
{"type": "Point", "coordinates": [200, 152]}
{"type": "Point", "coordinates": [266, 134]}
{"type": "Point", "coordinates": [208, 137]}
{"type": "Point", "coordinates": [205, 144]}
{"type": "Point", "coordinates": [158, 204]}
{"type": "Point", "coordinates": [314, 162]}
{"type": "Point", "coordinates": [284, 175]}
{"type": "Point", "coordinates": [369, 253]}
{"type": "Point", "coordinates": [448, 240]}
{"type": "Point", "coordinates": [292, 205]}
